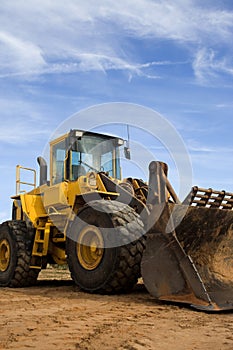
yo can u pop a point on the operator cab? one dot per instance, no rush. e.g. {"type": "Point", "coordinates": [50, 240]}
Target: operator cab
{"type": "Point", "coordinates": [79, 152]}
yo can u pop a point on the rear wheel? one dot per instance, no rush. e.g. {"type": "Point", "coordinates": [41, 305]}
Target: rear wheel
{"type": "Point", "coordinates": [15, 255]}
{"type": "Point", "coordinates": [105, 247]}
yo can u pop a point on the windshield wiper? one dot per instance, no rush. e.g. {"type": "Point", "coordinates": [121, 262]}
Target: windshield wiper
{"type": "Point", "coordinates": [89, 166]}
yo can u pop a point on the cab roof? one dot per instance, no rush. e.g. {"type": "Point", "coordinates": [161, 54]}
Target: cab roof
{"type": "Point", "coordinates": [79, 133]}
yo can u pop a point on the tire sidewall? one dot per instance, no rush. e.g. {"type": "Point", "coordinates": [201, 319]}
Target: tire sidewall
{"type": "Point", "coordinates": [6, 276]}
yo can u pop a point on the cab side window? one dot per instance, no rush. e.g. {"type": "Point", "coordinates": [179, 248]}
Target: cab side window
{"type": "Point", "coordinates": [59, 155]}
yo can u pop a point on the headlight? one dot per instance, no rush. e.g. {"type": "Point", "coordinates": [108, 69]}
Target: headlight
{"type": "Point", "coordinates": [92, 179]}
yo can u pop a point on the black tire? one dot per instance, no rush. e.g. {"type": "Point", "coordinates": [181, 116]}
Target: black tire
{"type": "Point", "coordinates": [119, 269]}
{"type": "Point", "coordinates": [17, 272]}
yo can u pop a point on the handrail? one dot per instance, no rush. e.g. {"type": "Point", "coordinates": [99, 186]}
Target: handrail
{"type": "Point", "coordinates": [19, 182]}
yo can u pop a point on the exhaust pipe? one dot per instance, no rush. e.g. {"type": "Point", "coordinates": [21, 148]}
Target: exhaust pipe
{"type": "Point", "coordinates": [43, 170]}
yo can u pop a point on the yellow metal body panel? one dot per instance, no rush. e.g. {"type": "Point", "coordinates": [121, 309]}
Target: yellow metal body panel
{"type": "Point", "coordinates": [33, 207]}
{"type": "Point", "coordinates": [81, 186]}
{"type": "Point", "coordinates": [56, 195]}
{"type": "Point", "coordinates": [45, 200]}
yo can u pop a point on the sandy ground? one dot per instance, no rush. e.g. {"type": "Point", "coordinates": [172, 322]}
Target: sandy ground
{"type": "Point", "coordinates": [57, 315]}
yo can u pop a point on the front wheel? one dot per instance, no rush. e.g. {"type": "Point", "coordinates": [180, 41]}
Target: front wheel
{"type": "Point", "coordinates": [105, 246]}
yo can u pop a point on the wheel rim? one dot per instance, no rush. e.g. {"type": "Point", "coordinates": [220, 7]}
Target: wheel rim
{"type": "Point", "coordinates": [90, 247]}
{"type": "Point", "coordinates": [4, 255]}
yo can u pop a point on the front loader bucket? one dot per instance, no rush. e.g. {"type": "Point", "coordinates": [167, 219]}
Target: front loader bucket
{"type": "Point", "coordinates": [189, 252]}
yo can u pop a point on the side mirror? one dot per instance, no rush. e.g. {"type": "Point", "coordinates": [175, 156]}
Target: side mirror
{"type": "Point", "coordinates": [127, 152]}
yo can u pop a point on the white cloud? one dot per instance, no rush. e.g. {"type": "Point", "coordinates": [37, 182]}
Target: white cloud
{"type": "Point", "coordinates": [103, 63]}
{"type": "Point", "coordinates": [22, 122]}
{"type": "Point", "coordinates": [213, 150]}
{"type": "Point", "coordinates": [17, 55]}
{"type": "Point", "coordinates": [44, 37]}
{"type": "Point", "coordinates": [12, 107]}
{"type": "Point", "coordinates": [180, 20]}
{"type": "Point", "coordinates": [207, 67]}
{"type": "Point", "coordinates": [86, 62]}
{"type": "Point", "coordinates": [21, 132]}
{"type": "Point", "coordinates": [197, 148]}
{"type": "Point", "coordinates": [212, 164]}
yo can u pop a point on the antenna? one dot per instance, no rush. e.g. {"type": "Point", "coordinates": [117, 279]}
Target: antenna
{"type": "Point", "coordinates": [127, 147]}
{"type": "Point", "coordinates": [128, 135]}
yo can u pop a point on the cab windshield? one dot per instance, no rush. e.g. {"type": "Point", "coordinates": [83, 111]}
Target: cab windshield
{"type": "Point", "coordinates": [88, 153]}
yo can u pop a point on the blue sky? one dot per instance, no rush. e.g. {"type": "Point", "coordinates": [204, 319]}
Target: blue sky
{"type": "Point", "coordinates": [176, 57]}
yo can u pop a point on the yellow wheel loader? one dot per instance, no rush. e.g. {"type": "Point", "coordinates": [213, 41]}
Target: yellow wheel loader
{"type": "Point", "coordinates": [111, 231]}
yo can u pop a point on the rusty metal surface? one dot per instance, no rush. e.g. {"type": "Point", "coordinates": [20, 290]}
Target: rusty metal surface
{"type": "Point", "coordinates": [163, 276]}
{"type": "Point", "coordinates": [192, 264]}
{"type": "Point", "coordinates": [207, 236]}
{"type": "Point", "coordinates": [202, 197]}
{"type": "Point", "coordinates": [189, 250]}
